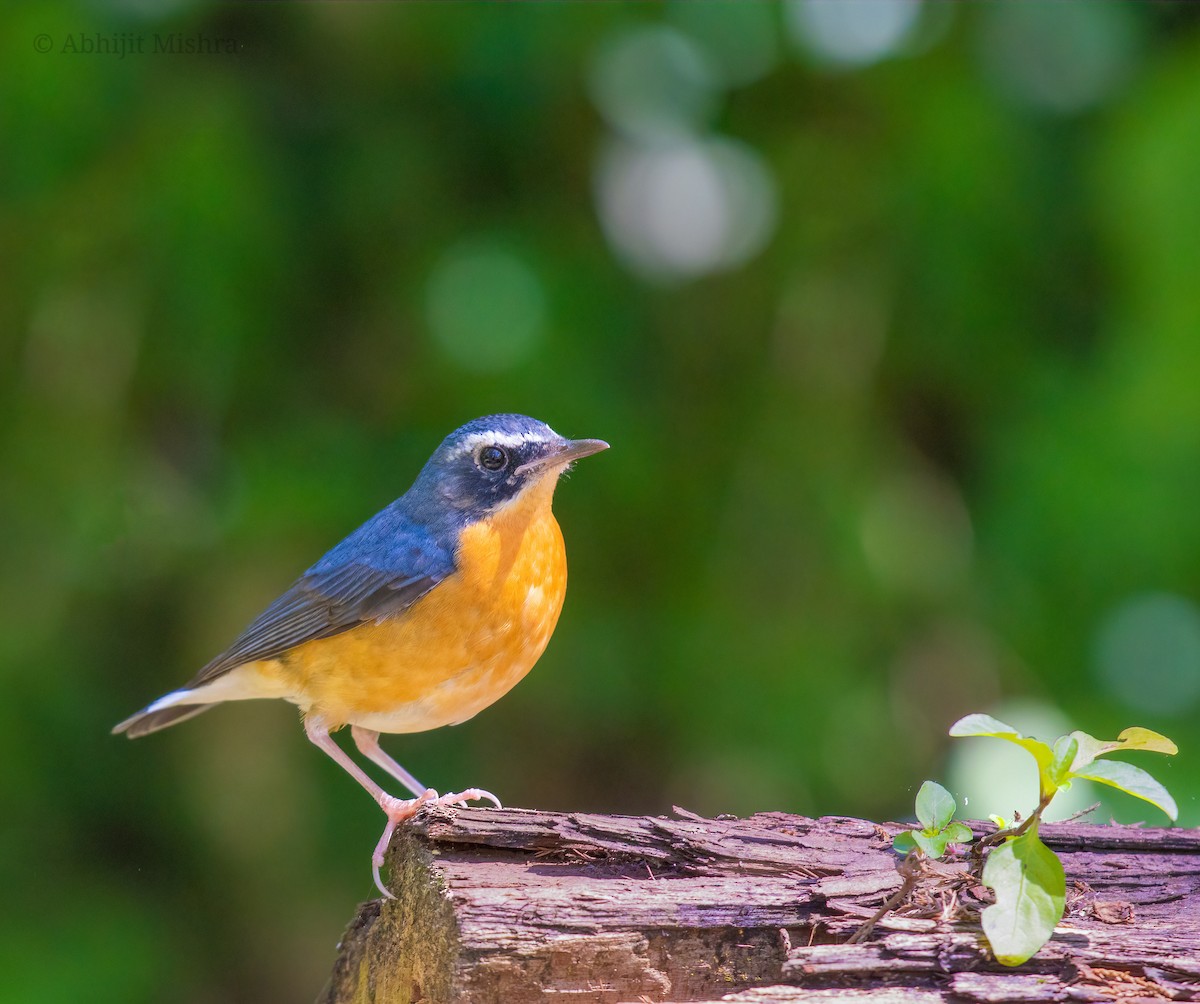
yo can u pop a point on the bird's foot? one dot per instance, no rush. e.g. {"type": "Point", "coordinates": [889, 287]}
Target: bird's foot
{"type": "Point", "coordinates": [400, 809]}
{"type": "Point", "coordinates": [463, 797]}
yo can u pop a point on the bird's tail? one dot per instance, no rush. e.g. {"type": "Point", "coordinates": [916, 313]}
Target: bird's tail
{"type": "Point", "coordinates": [155, 717]}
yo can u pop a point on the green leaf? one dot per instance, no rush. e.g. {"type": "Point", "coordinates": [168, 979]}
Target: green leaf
{"type": "Point", "coordinates": [933, 844]}
{"type": "Point", "coordinates": [1031, 894]}
{"type": "Point", "coordinates": [1131, 779]}
{"type": "Point", "coordinates": [935, 806]}
{"type": "Point", "coordinates": [980, 725]}
{"type": "Point", "coordinates": [1065, 749]}
{"type": "Point", "coordinates": [958, 833]}
{"type": "Point", "coordinates": [903, 842]}
{"type": "Point", "coordinates": [1134, 738]}
{"type": "Point", "coordinates": [986, 725]}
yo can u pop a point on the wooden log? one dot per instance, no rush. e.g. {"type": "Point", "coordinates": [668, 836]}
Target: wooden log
{"type": "Point", "coordinates": [507, 906]}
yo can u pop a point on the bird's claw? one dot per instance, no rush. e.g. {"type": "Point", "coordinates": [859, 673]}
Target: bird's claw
{"type": "Point", "coordinates": [400, 809]}
{"type": "Point", "coordinates": [469, 795]}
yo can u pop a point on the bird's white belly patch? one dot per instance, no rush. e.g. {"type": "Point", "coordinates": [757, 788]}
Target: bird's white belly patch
{"type": "Point", "coordinates": [449, 703]}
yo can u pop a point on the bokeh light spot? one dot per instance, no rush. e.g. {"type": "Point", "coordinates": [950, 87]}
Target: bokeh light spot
{"type": "Point", "coordinates": [686, 210]}
{"type": "Point", "coordinates": [1147, 653]}
{"type": "Point", "coordinates": [852, 32]}
{"type": "Point", "coordinates": [740, 39]}
{"type": "Point", "coordinates": [653, 84]}
{"type": "Point", "coordinates": [1060, 57]}
{"type": "Point", "coordinates": [486, 307]}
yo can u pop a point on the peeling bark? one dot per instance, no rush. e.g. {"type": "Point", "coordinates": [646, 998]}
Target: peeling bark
{"type": "Point", "coordinates": [512, 906]}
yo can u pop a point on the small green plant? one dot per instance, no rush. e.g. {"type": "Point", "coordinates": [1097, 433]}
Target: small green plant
{"type": "Point", "coordinates": [1025, 875]}
{"type": "Point", "coordinates": [935, 812]}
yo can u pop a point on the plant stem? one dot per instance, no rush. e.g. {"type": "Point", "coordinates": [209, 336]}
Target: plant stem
{"type": "Point", "coordinates": [992, 839]}
{"type": "Point", "coordinates": [910, 869]}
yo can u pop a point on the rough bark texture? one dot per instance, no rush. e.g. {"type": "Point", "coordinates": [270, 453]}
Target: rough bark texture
{"type": "Point", "coordinates": [510, 906]}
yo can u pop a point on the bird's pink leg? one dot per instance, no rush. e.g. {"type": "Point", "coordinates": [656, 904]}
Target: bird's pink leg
{"type": "Point", "coordinates": [367, 741]}
{"type": "Point", "coordinates": [397, 809]}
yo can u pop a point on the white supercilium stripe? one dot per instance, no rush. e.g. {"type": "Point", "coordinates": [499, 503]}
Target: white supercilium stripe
{"type": "Point", "coordinates": [508, 439]}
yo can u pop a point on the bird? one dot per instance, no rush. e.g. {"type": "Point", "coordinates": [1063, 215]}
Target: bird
{"type": "Point", "coordinates": [425, 615]}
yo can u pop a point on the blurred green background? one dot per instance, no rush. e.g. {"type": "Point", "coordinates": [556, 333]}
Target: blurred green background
{"type": "Point", "coordinates": [890, 311]}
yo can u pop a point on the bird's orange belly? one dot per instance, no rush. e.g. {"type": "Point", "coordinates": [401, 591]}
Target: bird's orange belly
{"type": "Point", "coordinates": [455, 651]}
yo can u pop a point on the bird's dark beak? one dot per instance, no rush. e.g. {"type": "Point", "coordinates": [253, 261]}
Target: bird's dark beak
{"type": "Point", "coordinates": [564, 452]}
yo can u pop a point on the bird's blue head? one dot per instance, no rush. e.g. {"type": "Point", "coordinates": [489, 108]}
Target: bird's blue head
{"type": "Point", "coordinates": [486, 464]}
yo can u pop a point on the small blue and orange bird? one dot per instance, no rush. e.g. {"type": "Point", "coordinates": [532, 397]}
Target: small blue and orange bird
{"type": "Point", "coordinates": [422, 617]}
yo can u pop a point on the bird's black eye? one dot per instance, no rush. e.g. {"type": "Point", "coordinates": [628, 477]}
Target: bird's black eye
{"type": "Point", "coordinates": [492, 458]}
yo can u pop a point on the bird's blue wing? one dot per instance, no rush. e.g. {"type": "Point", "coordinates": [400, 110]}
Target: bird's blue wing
{"type": "Point", "coordinates": [380, 570]}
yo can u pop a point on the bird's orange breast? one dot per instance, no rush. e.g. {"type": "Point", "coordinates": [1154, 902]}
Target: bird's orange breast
{"type": "Point", "coordinates": [456, 650]}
